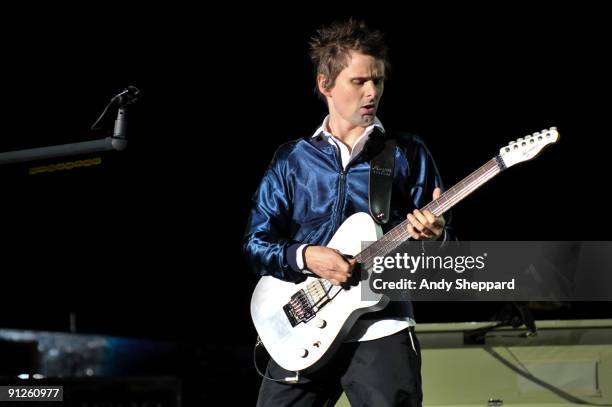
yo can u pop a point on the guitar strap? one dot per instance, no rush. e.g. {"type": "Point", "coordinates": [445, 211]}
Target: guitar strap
{"type": "Point", "coordinates": [381, 149]}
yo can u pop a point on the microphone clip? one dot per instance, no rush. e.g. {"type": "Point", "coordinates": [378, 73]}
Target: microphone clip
{"type": "Point", "coordinates": [128, 96]}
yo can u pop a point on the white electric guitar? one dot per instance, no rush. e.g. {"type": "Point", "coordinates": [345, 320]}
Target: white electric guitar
{"type": "Point", "coordinates": [301, 325]}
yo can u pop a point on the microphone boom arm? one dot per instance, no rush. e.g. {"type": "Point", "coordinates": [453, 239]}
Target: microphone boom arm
{"type": "Point", "coordinates": [41, 153]}
{"type": "Point", "coordinates": [117, 142]}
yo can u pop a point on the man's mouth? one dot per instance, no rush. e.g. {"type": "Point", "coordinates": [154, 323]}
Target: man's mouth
{"type": "Point", "coordinates": [368, 109]}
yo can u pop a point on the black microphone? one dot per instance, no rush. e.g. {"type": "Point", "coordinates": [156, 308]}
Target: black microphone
{"type": "Point", "coordinates": [129, 95]}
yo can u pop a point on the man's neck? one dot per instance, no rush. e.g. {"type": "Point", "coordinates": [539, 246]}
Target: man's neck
{"type": "Point", "coordinates": [344, 131]}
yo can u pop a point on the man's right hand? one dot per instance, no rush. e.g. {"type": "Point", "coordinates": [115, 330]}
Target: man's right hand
{"type": "Point", "coordinates": [328, 264]}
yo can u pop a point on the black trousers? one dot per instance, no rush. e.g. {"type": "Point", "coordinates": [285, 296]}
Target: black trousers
{"type": "Point", "coordinates": [382, 372]}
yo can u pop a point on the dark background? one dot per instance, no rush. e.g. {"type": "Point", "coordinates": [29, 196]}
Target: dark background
{"type": "Point", "coordinates": [148, 244]}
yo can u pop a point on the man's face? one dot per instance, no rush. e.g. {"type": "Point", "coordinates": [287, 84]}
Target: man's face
{"type": "Point", "coordinates": [357, 90]}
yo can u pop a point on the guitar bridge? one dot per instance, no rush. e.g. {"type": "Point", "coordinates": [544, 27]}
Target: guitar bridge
{"type": "Point", "coordinates": [305, 303]}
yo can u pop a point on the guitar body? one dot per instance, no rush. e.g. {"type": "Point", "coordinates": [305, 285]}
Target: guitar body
{"type": "Point", "coordinates": [307, 345]}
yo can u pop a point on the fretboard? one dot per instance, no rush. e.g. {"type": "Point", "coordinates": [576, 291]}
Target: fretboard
{"type": "Point", "coordinates": [393, 238]}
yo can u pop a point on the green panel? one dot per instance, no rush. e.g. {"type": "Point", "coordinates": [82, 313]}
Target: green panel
{"type": "Point", "coordinates": [567, 363]}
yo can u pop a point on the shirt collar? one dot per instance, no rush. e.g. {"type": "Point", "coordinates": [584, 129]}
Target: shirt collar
{"type": "Point", "coordinates": [323, 128]}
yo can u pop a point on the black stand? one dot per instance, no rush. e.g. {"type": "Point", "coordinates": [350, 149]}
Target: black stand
{"type": "Point", "coordinates": [117, 142]}
{"type": "Point", "coordinates": [513, 314]}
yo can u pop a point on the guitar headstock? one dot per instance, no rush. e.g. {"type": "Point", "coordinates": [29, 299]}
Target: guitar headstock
{"type": "Point", "coordinates": [525, 148]}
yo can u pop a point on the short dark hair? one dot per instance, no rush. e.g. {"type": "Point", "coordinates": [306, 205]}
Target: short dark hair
{"type": "Point", "coordinates": [330, 47]}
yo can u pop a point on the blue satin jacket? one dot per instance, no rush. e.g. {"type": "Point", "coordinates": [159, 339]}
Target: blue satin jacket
{"type": "Point", "coordinates": [305, 195]}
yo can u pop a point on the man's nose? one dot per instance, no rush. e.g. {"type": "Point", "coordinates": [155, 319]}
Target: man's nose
{"type": "Point", "coordinates": [371, 90]}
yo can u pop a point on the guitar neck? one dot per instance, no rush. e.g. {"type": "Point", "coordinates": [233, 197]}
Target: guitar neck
{"type": "Point", "coordinates": [393, 238]}
{"type": "Point", "coordinates": [465, 187]}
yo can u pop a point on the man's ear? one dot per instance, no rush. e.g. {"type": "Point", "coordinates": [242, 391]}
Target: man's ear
{"type": "Point", "coordinates": [322, 85]}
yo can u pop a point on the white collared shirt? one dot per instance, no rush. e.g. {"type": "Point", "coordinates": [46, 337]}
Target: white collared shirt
{"type": "Point", "coordinates": [345, 155]}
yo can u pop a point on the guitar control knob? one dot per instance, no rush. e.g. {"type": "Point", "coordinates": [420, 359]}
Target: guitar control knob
{"type": "Point", "coordinates": [321, 323]}
{"type": "Point", "coordinates": [303, 353]}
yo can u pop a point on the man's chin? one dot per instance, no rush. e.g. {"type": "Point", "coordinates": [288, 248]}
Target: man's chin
{"type": "Point", "coordinates": [367, 119]}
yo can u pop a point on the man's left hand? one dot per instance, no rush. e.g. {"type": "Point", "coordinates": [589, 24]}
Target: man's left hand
{"type": "Point", "coordinates": [424, 225]}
